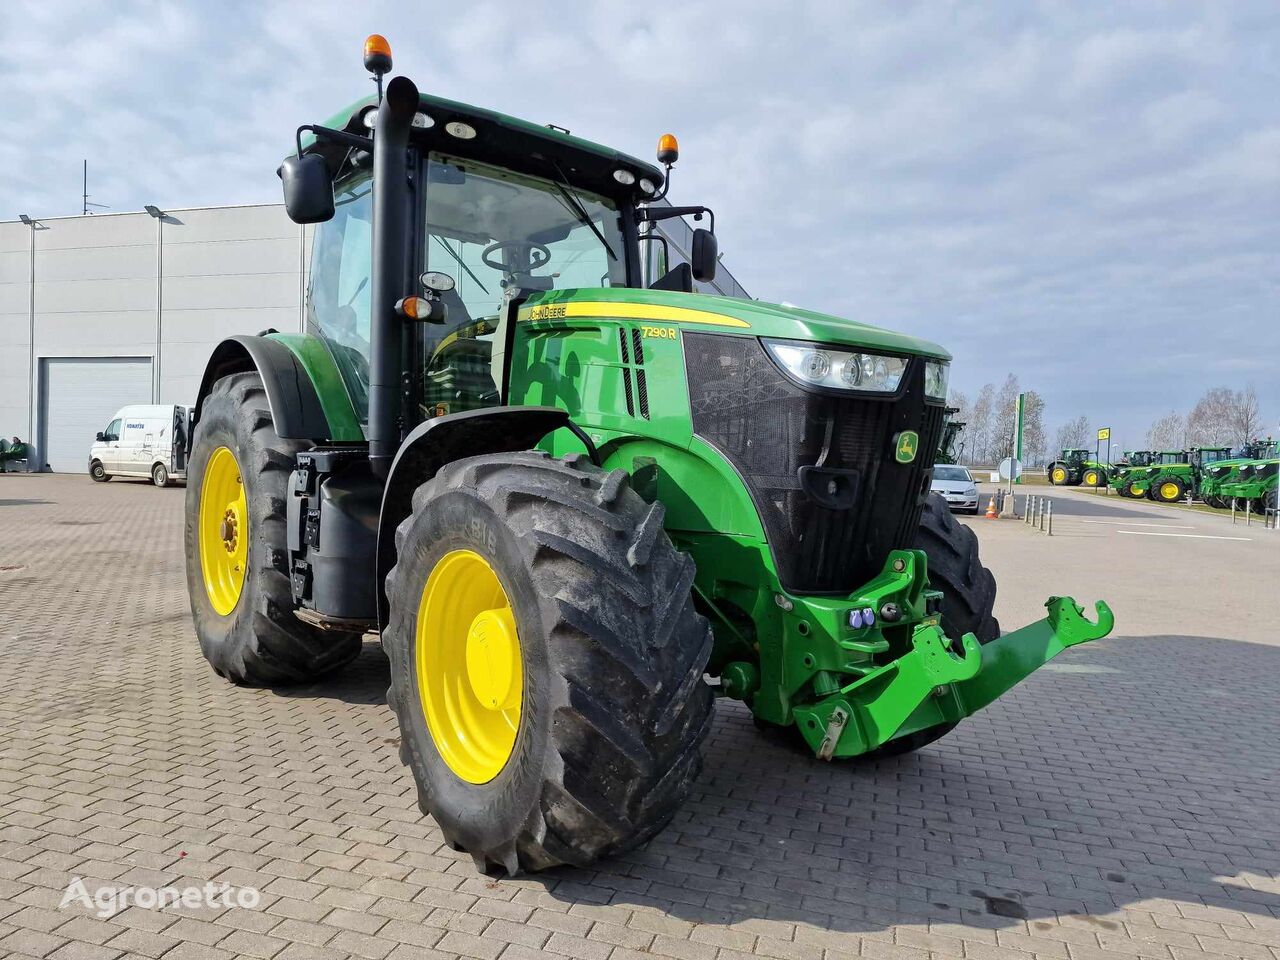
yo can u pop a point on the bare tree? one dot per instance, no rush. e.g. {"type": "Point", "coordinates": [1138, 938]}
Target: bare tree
{"type": "Point", "coordinates": [1074, 434]}
{"type": "Point", "coordinates": [1244, 418]}
{"type": "Point", "coordinates": [1034, 440]}
{"type": "Point", "coordinates": [1209, 424]}
{"type": "Point", "coordinates": [1168, 432]}
{"type": "Point", "coordinates": [978, 425]}
{"type": "Point", "coordinates": [1003, 415]}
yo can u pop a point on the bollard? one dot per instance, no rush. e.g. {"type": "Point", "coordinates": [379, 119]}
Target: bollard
{"type": "Point", "coordinates": [1049, 530]}
{"type": "Point", "coordinates": [1248, 512]}
{"type": "Point", "coordinates": [1026, 508]}
{"type": "Point", "coordinates": [1233, 511]}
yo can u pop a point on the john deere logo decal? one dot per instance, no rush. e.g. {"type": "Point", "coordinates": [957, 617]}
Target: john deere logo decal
{"type": "Point", "coordinates": [905, 445]}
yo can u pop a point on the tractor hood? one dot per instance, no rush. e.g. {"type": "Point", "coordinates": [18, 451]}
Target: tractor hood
{"type": "Point", "coordinates": [723, 314]}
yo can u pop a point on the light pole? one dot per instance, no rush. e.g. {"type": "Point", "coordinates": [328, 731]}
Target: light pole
{"type": "Point", "coordinates": [31, 341]}
{"type": "Point", "coordinates": [156, 212]}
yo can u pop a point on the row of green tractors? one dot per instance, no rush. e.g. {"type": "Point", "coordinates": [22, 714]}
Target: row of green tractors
{"type": "Point", "coordinates": [1218, 476]}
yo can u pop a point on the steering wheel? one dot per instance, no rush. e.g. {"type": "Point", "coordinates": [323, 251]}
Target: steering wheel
{"type": "Point", "coordinates": [524, 251]}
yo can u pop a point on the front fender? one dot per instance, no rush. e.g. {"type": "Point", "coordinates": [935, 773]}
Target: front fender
{"type": "Point", "coordinates": [443, 440]}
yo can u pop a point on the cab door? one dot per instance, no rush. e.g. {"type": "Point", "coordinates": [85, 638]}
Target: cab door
{"type": "Point", "coordinates": [110, 446]}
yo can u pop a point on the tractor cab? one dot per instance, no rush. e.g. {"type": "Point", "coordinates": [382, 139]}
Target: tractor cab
{"type": "Point", "coordinates": [1170, 457]}
{"type": "Point", "coordinates": [1138, 458]}
{"type": "Point", "coordinates": [1201, 457]}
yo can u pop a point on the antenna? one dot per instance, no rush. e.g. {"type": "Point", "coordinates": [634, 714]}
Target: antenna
{"type": "Point", "coordinates": [84, 195]}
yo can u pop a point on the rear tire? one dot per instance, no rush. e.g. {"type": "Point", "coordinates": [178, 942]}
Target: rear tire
{"type": "Point", "coordinates": [613, 706]}
{"type": "Point", "coordinates": [259, 641]}
{"type": "Point", "coordinates": [160, 475]}
{"type": "Point", "coordinates": [98, 473]}
{"type": "Point", "coordinates": [968, 599]}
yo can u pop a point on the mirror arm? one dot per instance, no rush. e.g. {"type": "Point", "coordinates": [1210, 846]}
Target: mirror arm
{"type": "Point", "coordinates": [654, 214]}
{"type": "Point", "coordinates": [337, 136]}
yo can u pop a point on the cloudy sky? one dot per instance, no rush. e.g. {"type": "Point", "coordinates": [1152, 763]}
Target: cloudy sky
{"type": "Point", "coordinates": [1085, 194]}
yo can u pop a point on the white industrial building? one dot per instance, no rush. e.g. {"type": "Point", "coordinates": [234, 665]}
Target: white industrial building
{"type": "Point", "coordinates": [105, 310]}
{"type": "Point", "coordinates": [100, 311]}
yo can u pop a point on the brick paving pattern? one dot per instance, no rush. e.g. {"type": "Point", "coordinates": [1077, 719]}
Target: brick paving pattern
{"type": "Point", "coordinates": [1123, 804]}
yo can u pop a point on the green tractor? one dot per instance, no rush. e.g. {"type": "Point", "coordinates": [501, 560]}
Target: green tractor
{"type": "Point", "coordinates": [565, 497]}
{"type": "Point", "coordinates": [1127, 473]}
{"type": "Point", "coordinates": [1225, 470]}
{"type": "Point", "coordinates": [949, 452]}
{"type": "Point", "coordinates": [1254, 483]}
{"type": "Point", "coordinates": [1074, 468]}
{"type": "Point", "coordinates": [1175, 474]}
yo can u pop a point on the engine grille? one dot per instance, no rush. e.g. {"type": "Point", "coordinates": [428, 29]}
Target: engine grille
{"type": "Point", "coordinates": [769, 428]}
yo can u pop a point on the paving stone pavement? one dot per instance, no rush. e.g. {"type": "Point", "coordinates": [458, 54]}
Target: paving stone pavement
{"type": "Point", "coordinates": [1120, 804]}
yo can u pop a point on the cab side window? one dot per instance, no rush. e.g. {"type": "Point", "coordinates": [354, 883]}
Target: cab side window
{"type": "Point", "coordinates": [113, 430]}
{"type": "Point", "coordinates": [339, 300]}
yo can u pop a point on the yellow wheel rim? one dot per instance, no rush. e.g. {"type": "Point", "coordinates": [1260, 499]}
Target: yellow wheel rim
{"type": "Point", "coordinates": [1059, 474]}
{"type": "Point", "coordinates": [470, 671]}
{"type": "Point", "coordinates": [1169, 491]}
{"type": "Point", "coordinates": [1090, 479]}
{"type": "Point", "coordinates": [1135, 490]}
{"type": "Point", "coordinates": [224, 531]}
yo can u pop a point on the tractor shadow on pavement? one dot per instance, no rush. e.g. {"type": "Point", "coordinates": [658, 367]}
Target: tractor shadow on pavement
{"type": "Point", "coordinates": [363, 681]}
{"type": "Point", "coordinates": [1138, 770]}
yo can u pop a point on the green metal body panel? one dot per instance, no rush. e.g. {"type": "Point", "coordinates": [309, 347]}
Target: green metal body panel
{"type": "Point", "coordinates": [316, 359]}
{"type": "Point", "coordinates": [793, 659]}
{"type": "Point", "coordinates": [1249, 485]}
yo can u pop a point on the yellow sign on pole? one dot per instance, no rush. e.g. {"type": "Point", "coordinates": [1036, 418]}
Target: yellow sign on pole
{"type": "Point", "coordinates": [1104, 433]}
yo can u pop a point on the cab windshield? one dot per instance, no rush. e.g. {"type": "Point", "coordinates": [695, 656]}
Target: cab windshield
{"type": "Point", "coordinates": [498, 234]}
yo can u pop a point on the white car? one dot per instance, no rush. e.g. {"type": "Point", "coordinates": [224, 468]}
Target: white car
{"type": "Point", "coordinates": [956, 485]}
{"type": "Point", "coordinates": [143, 440]}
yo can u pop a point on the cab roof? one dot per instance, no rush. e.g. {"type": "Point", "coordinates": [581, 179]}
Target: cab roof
{"type": "Point", "coordinates": [509, 141]}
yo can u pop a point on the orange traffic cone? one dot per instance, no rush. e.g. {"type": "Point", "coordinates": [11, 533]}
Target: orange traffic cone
{"type": "Point", "coordinates": [991, 509]}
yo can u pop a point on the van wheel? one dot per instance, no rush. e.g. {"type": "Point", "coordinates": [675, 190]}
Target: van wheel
{"type": "Point", "coordinates": [160, 475]}
{"type": "Point", "coordinates": [98, 474]}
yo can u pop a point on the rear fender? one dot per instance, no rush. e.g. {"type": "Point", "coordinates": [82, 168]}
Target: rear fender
{"type": "Point", "coordinates": [296, 411]}
{"type": "Point", "coordinates": [443, 440]}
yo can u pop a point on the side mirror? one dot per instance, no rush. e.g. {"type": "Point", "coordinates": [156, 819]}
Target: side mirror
{"type": "Point", "coordinates": [100, 437]}
{"type": "Point", "coordinates": [308, 188]}
{"type": "Point", "coordinates": [705, 255]}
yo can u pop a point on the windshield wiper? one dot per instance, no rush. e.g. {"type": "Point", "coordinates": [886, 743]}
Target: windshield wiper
{"type": "Point", "coordinates": [576, 207]}
{"type": "Point", "coordinates": [449, 250]}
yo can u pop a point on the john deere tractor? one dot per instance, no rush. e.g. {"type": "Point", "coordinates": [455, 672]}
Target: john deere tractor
{"type": "Point", "coordinates": [575, 504]}
{"type": "Point", "coordinates": [1254, 483]}
{"type": "Point", "coordinates": [1129, 470]}
{"type": "Point", "coordinates": [1075, 467]}
{"type": "Point", "coordinates": [1223, 471]}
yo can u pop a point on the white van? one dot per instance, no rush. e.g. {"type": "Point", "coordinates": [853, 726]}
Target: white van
{"type": "Point", "coordinates": [143, 440]}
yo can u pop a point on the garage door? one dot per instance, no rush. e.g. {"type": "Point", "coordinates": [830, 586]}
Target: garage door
{"type": "Point", "coordinates": [79, 396]}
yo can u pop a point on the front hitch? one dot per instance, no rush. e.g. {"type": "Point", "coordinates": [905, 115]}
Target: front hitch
{"type": "Point", "coordinates": [940, 680]}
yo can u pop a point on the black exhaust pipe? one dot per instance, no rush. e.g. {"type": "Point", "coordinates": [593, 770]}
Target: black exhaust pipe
{"type": "Point", "coordinates": [390, 244]}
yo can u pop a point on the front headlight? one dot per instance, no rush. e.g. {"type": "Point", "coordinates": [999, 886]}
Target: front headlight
{"type": "Point", "coordinates": [935, 379]}
{"type": "Point", "coordinates": [838, 369]}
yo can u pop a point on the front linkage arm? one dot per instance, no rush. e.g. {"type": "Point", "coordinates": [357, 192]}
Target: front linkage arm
{"type": "Point", "coordinates": [931, 684]}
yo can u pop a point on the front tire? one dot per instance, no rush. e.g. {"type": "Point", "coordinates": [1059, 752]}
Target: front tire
{"type": "Point", "coordinates": [160, 475]}
{"type": "Point", "coordinates": [98, 473]}
{"type": "Point", "coordinates": [1058, 476]}
{"type": "Point", "coordinates": [236, 546]}
{"type": "Point", "coordinates": [604, 699]}
{"type": "Point", "coordinates": [1170, 490]}
{"type": "Point", "coordinates": [968, 599]}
